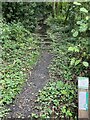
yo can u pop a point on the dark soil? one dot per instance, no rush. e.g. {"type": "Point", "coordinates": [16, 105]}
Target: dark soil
{"type": "Point", "coordinates": [24, 103]}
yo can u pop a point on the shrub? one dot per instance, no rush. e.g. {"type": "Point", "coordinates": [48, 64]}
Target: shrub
{"type": "Point", "coordinates": [56, 101]}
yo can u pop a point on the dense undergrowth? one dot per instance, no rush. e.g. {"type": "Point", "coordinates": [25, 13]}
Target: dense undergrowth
{"type": "Point", "coordinates": [69, 29]}
{"type": "Point", "coordinates": [18, 57]}
{"type": "Point", "coordinates": [59, 99]}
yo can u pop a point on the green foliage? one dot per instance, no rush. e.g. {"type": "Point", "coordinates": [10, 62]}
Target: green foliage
{"type": "Point", "coordinates": [82, 23]}
{"type": "Point", "coordinates": [27, 13]}
{"type": "Point", "coordinates": [56, 100]}
{"type": "Point", "coordinates": [59, 67]}
{"type": "Point", "coordinates": [22, 12]}
{"type": "Point", "coordinates": [17, 60]}
{"type": "Point", "coordinates": [77, 3]}
{"type": "Point", "coordinates": [3, 111]}
{"type": "Point", "coordinates": [83, 10]}
{"type": "Point", "coordinates": [57, 20]}
{"type": "Point", "coordinates": [86, 64]}
{"type": "Point", "coordinates": [79, 54]}
{"type": "Point", "coordinates": [71, 57]}
{"type": "Point", "coordinates": [75, 34]}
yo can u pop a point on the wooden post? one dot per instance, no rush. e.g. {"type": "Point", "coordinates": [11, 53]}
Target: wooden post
{"type": "Point", "coordinates": [83, 98]}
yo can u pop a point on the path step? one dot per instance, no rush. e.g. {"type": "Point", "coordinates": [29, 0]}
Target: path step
{"type": "Point", "coordinates": [43, 35]}
{"type": "Point", "coordinates": [46, 39]}
{"type": "Point", "coordinates": [43, 47]}
{"type": "Point", "coordinates": [46, 48]}
{"type": "Point", "coordinates": [44, 42]}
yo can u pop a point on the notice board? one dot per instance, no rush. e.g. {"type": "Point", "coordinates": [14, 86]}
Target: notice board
{"type": "Point", "coordinates": [83, 98]}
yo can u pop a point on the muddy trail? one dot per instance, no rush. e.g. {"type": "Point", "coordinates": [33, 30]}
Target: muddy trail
{"type": "Point", "coordinates": [24, 103]}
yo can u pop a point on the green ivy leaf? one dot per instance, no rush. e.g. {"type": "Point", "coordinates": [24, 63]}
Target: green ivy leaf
{"type": "Point", "coordinates": [83, 27]}
{"type": "Point", "coordinates": [64, 109]}
{"type": "Point", "coordinates": [77, 62]}
{"type": "Point", "coordinates": [34, 115]}
{"type": "Point", "coordinates": [83, 10]}
{"type": "Point", "coordinates": [76, 49]}
{"type": "Point", "coordinates": [59, 84]}
{"type": "Point", "coordinates": [86, 64]}
{"type": "Point", "coordinates": [79, 22]}
{"type": "Point", "coordinates": [71, 49]}
{"type": "Point", "coordinates": [72, 61]}
{"type": "Point", "coordinates": [87, 17]}
{"type": "Point", "coordinates": [75, 34]}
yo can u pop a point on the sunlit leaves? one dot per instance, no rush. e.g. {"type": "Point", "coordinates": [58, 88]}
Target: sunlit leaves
{"type": "Point", "coordinates": [87, 17]}
{"type": "Point", "coordinates": [84, 10]}
{"type": "Point", "coordinates": [73, 49]}
{"type": "Point", "coordinates": [72, 61]}
{"type": "Point", "coordinates": [77, 3]}
{"type": "Point", "coordinates": [83, 27]}
{"type": "Point", "coordinates": [86, 64]}
{"type": "Point", "coordinates": [75, 34]}
{"type": "Point", "coordinates": [77, 62]}
{"type": "Point", "coordinates": [55, 94]}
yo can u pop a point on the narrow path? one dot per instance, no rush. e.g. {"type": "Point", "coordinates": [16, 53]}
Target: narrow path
{"type": "Point", "coordinates": [24, 103]}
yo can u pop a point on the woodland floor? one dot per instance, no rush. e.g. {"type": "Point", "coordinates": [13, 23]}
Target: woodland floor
{"type": "Point", "coordinates": [24, 103]}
